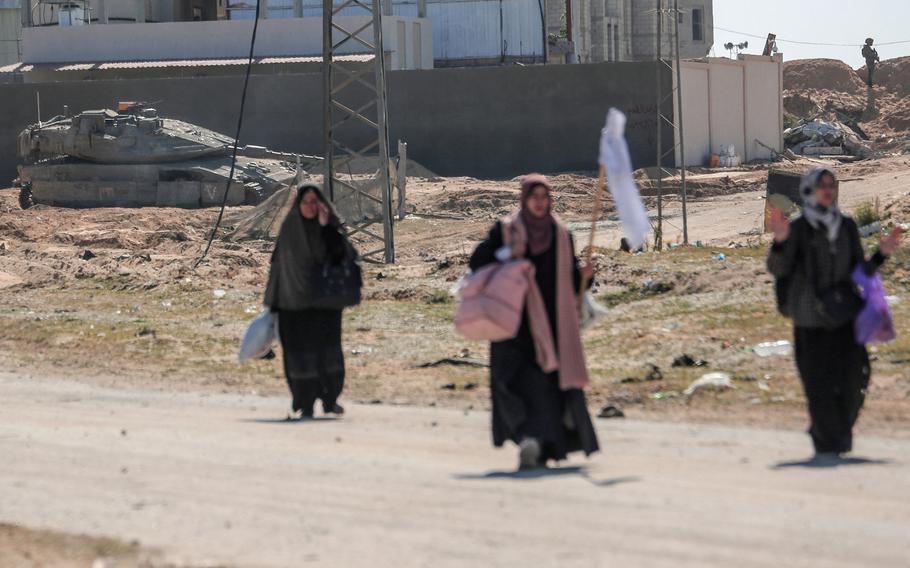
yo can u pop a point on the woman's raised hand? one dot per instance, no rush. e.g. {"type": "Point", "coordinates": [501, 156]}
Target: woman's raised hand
{"type": "Point", "coordinates": [323, 215]}
{"type": "Point", "coordinates": [889, 244]}
{"type": "Point", "coordinates": [779, 225]}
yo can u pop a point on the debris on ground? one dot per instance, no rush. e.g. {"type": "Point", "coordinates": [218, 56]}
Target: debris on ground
{"type": "Point", "coordinates": [455, 361]}
{"type": "Point", "coordinates": [653, 374]}
{"type": "Point", "coordinates": [710, 381]}
{"type": "Point", "coordinates": [686, 360]}
{"type": "Point", "coordinates": [453, 386]}
{"type": "Point", "coordinates": [820, 137]}
{"type": "Point", "coordinates": [611, 411]}
{"type": "Point", "coordinates": [663, 395]}
{"type": "Point", "coordinates": [769, 348]}
{"type": "Point", "coordinates": [87, 255]}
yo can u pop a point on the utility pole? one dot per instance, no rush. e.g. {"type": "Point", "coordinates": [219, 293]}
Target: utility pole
{"type": "Point", "coordinates": [355, 123]}
{"type": "Point", "coordinates": [679, 121]}
{"type": "Point", "coordinates": [675, 120]}
{"type": "Point", "coordinates": [658, 234]}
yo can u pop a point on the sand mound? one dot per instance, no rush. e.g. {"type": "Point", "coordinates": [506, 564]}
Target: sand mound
{"type": "Point", "coordinates": [821, 74]}
{"type": "Point", "coordinates": [892, 74]}
{"type": "Point", "coordinates": [830, 90]}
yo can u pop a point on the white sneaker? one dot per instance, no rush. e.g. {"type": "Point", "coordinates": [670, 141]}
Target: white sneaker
{"type": "Point", "coordinates": [529, 454]}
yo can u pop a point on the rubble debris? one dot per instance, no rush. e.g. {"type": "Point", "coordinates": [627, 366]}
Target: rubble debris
{"type": "Point", "coordinates": [87, 255]}
{"type": "Point", "coordinates": [611, 411]}
{"type": "Point", "coordinates": [455, 361]}
{"type": "Point", "coordinates": [686, 360]}
{"type": "Point", "coordinates": [819, 137]}
{"type": "Point", "coordinates": [653, 374]}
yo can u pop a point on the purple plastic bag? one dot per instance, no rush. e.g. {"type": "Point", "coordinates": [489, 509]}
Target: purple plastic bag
{"type": "Point", "coordinates": [874, 323]}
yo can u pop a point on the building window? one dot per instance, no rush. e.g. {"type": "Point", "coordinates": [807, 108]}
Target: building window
{"type": "Point", "coordinates": [698, 24]}
{"type": "Point", "coordinates": [679, 16]}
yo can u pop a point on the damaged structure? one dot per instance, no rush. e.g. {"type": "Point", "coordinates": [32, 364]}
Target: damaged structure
{"type": "Point", "coordinates": [133, 157]}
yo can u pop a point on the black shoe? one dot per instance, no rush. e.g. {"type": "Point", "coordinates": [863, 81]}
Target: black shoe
{"type": "Point", "coordinates": [333, 409]}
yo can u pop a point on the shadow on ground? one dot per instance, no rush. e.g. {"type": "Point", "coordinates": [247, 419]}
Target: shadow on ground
{"type": "Point", "coordinates": [829, 462]}
{"type": "Point", "coordinates": [290, 420]}
{"type": "Point", "coordinates": [545, 472]}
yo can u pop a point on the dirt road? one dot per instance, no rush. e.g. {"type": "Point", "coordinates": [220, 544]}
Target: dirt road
{"type": "Point", "coordinates": [220, 479]}
{"type": "Point", "coordinates": [726, 218]}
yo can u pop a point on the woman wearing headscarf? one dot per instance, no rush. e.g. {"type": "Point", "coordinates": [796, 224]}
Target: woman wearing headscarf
{"type": "Point", "coordinates": [310, 237]}
{"type": "Point", "coordinates": [812, 260]}
{"type": "Point", "coordinates": [538, 403]}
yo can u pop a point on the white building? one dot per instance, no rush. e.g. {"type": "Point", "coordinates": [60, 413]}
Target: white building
{"type": "Point", "coordinates": [626, 30]}
{"type": "Point", "coordinates": [418, 33]}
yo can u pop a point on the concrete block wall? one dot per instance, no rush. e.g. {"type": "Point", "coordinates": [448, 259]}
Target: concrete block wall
{"type": "Point", "coordinates": [494, 122]}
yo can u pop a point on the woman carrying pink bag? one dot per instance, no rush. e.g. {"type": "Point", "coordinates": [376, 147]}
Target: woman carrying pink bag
{"type": "Point", "coordinates": [537, 376]}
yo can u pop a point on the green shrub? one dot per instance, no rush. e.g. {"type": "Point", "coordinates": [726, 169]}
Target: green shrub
{"type": "Point", "coordinates": [866, 214]}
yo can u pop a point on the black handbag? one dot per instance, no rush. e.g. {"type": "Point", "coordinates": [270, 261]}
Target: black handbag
{"type": "Point", "coordinates": [336, 286]}
{"type": "Point", "coordinates": [839, 304]}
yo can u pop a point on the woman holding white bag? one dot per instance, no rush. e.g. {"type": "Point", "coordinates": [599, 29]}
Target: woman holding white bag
{"type": "Point", "coordinates": [313, 276]}
{"type": "Point", "coordinates": [537, 378]}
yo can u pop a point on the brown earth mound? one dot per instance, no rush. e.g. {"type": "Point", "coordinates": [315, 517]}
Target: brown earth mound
{"type": "Point", "coordinates": [829, 89]}
{"type": "Point", "coordinates": [892, 74]}
{"type": "Point", "coordinates": [821, 74]}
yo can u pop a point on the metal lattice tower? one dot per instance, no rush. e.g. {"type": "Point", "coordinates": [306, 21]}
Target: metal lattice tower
{"type": "Point", "coordinates": [355, 119]}
{"type": "Point", "coordinates": [675, 121]}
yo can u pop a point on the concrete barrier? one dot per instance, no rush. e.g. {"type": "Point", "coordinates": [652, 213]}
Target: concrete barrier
{"type": "Point", "coordinates": [495, 122]}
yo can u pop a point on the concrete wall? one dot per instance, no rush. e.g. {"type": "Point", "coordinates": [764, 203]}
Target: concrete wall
{"type": "Point", "coordinates": [208, 40]}
{"type": "Point", "coordinates": [490, 122]}
{"type": "Point", "coordinates": [763, 86]}
{"type": "Point", "coordinates": [732, 102]}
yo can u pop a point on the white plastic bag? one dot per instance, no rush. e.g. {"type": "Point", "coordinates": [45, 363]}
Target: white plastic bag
{"type": "Point", "coordinates": [259, 336]}
{"type": "Point", "coordinates": [591, 311]}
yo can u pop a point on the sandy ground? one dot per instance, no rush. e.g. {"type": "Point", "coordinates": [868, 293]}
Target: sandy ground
{"type": "Point", "coordinates": [739, 217]}
{"type": "Point", "coordinates": [221, 479]}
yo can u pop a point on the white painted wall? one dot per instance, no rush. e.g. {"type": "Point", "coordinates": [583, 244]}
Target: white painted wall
{"type": "Point", "coordinates": [732, 102]}
{"type": "Point", "coordinates": [697, 116]}
{"type": "Point", "coordinates": [214, 40]}
{"type": "Point", "coordinates": [765, 119]}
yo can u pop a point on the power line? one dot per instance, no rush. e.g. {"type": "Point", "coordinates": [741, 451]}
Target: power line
{"type": "Point", "coordinates": [879, 44]}
{"type": "Point", "coordinates": [230, 179]}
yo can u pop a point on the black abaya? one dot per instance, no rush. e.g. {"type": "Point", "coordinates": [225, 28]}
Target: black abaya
{"type": "Point", "coordinates": [313, 357]}
{"type": "Point", "coordinates": [526, 401]}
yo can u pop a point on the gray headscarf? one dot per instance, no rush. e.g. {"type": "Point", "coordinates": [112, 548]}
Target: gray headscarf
{"type": "Point", "coordinates": [828, 217]}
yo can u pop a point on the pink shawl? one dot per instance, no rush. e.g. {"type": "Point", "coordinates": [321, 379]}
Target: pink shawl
{"type": "Point", "coordinates": [568, 357]}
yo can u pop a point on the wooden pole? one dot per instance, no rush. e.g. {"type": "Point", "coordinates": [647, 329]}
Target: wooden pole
{"type": "Point", "coordinates": [595, 217]}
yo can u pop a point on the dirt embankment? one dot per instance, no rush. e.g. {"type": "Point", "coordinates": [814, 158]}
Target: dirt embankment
{"type": "Point", "coordinates": [831, 89]}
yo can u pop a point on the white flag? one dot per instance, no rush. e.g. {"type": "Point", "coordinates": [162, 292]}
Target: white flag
{"type": "Point", "coordinates": [614, 156]}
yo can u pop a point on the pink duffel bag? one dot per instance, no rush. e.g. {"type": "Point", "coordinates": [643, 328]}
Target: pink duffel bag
{"type": "Point", "coordinates": [493, 300]}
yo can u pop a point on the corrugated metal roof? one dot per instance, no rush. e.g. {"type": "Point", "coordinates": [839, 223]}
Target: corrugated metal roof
{"type": "Point", "coordinates": [20, 68]}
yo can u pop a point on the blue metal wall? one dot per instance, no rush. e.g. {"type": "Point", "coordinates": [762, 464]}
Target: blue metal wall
{"type": "Point", "coordinates": [462, 29]}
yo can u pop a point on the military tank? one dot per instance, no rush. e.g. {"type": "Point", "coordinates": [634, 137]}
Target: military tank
{"type": "Point", "coordinates": [132, 157]}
